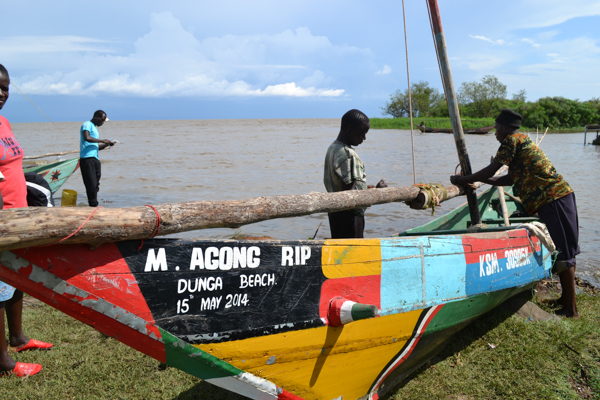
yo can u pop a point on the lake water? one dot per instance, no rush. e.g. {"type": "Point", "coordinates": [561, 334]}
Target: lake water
{"type": "Point", "coordinates": [185, 160]}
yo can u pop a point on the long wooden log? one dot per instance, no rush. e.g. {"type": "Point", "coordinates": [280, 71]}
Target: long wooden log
{"type": "Point", "coordinates": [50, 155]}
{"type": "Point", "coordinates": [27, 227]}
{"type": "Point", "coordinates": [423, 198]}
{"type": "Point", "coordinates": [452, 103]}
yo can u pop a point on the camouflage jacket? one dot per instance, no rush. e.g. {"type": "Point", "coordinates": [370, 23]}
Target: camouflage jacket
{"type": "Point", "coordinates": [535, 179]}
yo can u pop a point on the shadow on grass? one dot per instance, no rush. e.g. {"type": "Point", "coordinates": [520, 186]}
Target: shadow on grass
{"type": "Point", "coordinates": [205, 391]}
{"type": "Point", "coordinates": [467, 336]}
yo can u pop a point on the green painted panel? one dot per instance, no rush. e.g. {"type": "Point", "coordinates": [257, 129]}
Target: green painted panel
{"type": "Point", "coordinates": [459, 218]}
{"type": "Point", "coordinates": [455, 312]}
{"type": "Point", "coordinates": [194, 361]}
{"type": "Point", "coordinates": [57, 173]}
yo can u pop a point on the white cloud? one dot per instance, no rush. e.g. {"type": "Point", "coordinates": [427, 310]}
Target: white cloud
{"type": "Point", "coordinates": [290, 89]}
{"type": "Point", "coordinates": [483, 64]}
{"type": "Point", "coordinates": [20, 45]}
{"type": "Point", "coordinates": [567, 71]}
{"type": "Point", "coordinates": [531, 42]}
{"type": "Point", "coordinates": [385, 71]}
{"type": "Point", "coordinates": [556, 58]}
{"type": "Point", "coordinates": [545, 13]}
{"type": "Point", "coordinates": [170, 61]}
{"type": "Point", "coordinates": [499, 41]}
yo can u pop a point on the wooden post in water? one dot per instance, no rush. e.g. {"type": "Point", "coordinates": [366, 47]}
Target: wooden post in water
{"type": "Point", "coordinates": [459, 136]}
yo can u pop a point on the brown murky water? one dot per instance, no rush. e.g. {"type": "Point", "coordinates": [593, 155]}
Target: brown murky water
{"type": "Point", "coordinates": [173, 161]}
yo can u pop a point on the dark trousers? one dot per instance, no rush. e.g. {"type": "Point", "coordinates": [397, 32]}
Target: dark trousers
{"type": "Point", "coordinates": [346, 225]}
{"type": "Point", "coordinates": [560, 217]}
{"type": "Point", "coordinates": [90, 171]}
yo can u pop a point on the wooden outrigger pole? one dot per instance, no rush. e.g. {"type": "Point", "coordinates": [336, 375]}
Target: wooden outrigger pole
{"type": "Point", "coordinates": [451, 100]}
{"type": "Point", "coordinates": [38, 226]}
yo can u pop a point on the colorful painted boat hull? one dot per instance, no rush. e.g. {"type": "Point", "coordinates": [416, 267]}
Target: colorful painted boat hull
{"type": "Point", "coordinates": [262, 318]}
{"type": "Point", "coordinates": [57, 173]}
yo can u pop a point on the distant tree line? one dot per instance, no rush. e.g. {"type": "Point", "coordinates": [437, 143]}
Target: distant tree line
{"type": "Point", "coordinates": [485, 99]}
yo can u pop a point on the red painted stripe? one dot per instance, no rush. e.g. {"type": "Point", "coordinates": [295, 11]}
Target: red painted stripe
{"type": "Point", "coordinates": [474, 247]}
{"type": "Point", "coordinates": [360, 289]}
{"type": "Point", "coordinates": [334, 317]}
{"type": "Point", "coordinates": [98, 321]}
{"type": "Point", "coordinates": [285, 395]}
{"type": "Point", "coordinates": [102, 272]}
{"type": "Point", "coordinates": [517, 233]}
{"type": "Point", "coordinates": [435, 16]}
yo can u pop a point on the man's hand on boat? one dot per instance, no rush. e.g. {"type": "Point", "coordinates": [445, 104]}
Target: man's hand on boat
{"type": "Point", "coordinates": [455, 180]}
{"type": "Point", "coordinates": [485, 175]}
{"type": "Point", "coordinates": [461, 181]}
{"type": "Point", "coordinates": [381, 184]}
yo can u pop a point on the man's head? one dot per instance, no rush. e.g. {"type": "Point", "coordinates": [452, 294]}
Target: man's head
{"type": "Point", "coordinates": [4, 85]}
{"type": "Point", "coordinates": [507, 122]}
{"type": "Point", "coordinates": [99, 118]}
{"type": "Point", "coordinates": [355, 125]}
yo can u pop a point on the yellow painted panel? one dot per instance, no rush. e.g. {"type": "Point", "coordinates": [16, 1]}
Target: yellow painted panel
{"type": "Point", "coordinates": [311, 362]}
{"type": "Point", "coordinates": [343, 258]}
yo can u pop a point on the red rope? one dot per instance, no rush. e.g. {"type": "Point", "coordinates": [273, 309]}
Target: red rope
{"type": "Point", "coordinates": [78, 229]}
{"type": "Point", "coordinates": [156, 227]}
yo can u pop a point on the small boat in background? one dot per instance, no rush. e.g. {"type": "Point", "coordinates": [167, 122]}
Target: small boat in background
{"type": "Point", "coordinates": [56, 173]}
{"type": "Point", "coordinates": [475, 131]}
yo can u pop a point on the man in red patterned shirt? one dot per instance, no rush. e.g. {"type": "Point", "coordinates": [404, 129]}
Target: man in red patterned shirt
{"type": "Point", "coordinates": [13, 194]}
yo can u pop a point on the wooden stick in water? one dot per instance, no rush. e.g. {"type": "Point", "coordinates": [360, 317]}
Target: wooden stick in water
{"type": "Point", "coordinates": [540, 142]}
{"type": "Point", "coordinates": [503, 207]}
{"type": "Point", "coordinates": [50, 155]}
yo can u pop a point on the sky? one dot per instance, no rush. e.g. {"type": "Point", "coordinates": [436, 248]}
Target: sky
{"type": "Point", "coordinates": [183, 59]}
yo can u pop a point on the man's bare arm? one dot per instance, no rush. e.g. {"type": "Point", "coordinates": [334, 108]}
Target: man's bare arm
{"type": "Point", "coordinates": [485, 175]}
{"type": "Point", "coordinates": [88, 138]}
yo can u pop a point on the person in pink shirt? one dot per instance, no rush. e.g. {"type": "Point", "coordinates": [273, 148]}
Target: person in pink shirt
{"type": "Point", "coordinates": [13, 194]}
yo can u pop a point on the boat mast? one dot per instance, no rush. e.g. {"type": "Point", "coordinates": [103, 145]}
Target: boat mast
{"type": "Point", "coordinates": [459, 136]}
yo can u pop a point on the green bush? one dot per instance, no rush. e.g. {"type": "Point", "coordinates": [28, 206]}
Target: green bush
{"type": "Point", "coordinates": [485, 99]}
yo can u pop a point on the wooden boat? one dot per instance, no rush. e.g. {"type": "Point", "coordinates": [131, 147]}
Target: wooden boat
{"type": "Point", "coordinates": [56, 173]}
{"type": "Point", "coordinates": [475, 131]}
{"type": "Point", "coordinates": [270, 319]}
{"type": "Point", "coordinates": [289, 319]}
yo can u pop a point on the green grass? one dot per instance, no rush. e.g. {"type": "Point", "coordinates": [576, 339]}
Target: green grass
{"type": "Point", "coordinates": [404, 123]}
{"type": "Point", "coordinates": [532, 360]}
{"type": "Point", "coordinates": [85, 364]}
{"type": "Point", "coordinates": [555, 359]}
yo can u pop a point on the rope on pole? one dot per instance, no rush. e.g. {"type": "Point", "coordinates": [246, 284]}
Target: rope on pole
{"type": "Point", "coordinates": [410, 113]}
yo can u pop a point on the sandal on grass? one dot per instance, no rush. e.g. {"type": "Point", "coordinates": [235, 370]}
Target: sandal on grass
{"type": "Point", "coordinates": [22, 370]}
{"type": "Point", "coordinates": [33, 345]}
